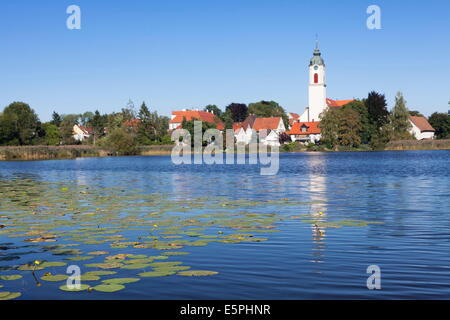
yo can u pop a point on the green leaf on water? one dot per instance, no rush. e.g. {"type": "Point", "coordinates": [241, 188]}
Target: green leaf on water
{"type": "Point", "coordinates": [11, 278]}
{"type": "Point", "coordinates": [154, 274]}
{"type": "Point", "coordinates": [121, 280]}
{"type": "Point", "coordinates": [54, 278]}
{"type": "Point", "coordinates": [196, 273]}
{"type": "Point", "coordinates": [109, 287]}
{"type": "Point", "coordinates": [82, 287]}
{"type": "Point", "coordinates": [99, 273]}
{"type": "Point", "coordinates": [9, 295]}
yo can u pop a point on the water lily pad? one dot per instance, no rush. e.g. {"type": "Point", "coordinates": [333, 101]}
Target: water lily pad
{"type": "Point", "coordinates": [166, 264]}
{"type": "Point", "coordinates": [98, 253]}
{"type": "Point", "coordinates": [175, 253]}
{"type": "Point", "coordinates": [120, 280]}
{"type": "Point", "coordinates": [80, 258]}
{"type": "Point", "coordinates": [109, 287]}
{"type": "Point", "coordinates": [135, 266]}
{"type": "Point", "coordinates": [196, 273]}
{"type": "Point", "coordinates": [54, 278]}
{"type": "Point", "coordinates": [154, 274]}
{"type": "Point", "coordinates": [9, 295]}
{"type": "Point", "coordinates": [106, 265]}
{"type": "Point", "coordinates": [11, 277]}
{"type": "Point", "coordinates": [89, 277]}
{"type": "Point", "coordinates": [82, 287]}
{"type": "Point", "coordinates": [48, 264]}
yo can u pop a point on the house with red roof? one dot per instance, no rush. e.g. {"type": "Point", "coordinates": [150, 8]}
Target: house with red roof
{"type": "Point", "coordinates": [305, 132]}
{"type": "Point", "coordinates": [81, 133]}
{"type": "Point", "coordinates": [272, 128]}
{"type": "Point", "coordinates": [178, 117]}
{"type": "Point", "coordinates": [421, 128]}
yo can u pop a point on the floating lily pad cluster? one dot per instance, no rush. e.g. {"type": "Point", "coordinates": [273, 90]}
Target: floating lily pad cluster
{"type": "Point", "coordinates": [101, 229]}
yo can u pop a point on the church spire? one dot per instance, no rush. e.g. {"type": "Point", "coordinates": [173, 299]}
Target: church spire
{"type": "Point", "coordinates": [317, 58]}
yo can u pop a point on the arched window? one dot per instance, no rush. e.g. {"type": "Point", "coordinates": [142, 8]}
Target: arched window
{"type": "Point", "coordinates": [316, 78]}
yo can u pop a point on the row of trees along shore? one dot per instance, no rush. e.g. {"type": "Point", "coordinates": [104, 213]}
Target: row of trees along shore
{"type": "Point", "coordinates": [369, 122]}
{"type": "Point", "coordinates": [366, 122]}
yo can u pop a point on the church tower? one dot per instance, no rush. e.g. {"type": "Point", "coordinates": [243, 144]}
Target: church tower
{"type": "Point", "coordinates": [317, 86]}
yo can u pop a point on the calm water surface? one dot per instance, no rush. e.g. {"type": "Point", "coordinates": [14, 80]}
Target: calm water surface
{"type": "Point", "coordinates": [407, 194]}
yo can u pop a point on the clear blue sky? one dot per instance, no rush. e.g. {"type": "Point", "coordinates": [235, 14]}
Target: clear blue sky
{"type": "Point", "coordinates": [190, 53]}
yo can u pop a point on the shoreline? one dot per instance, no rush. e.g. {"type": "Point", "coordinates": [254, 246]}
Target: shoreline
{"type": "Point", "coordinates": [36, 153]}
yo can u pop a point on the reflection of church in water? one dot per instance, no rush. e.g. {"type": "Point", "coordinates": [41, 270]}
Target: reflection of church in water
{"type": "Point", "coordinates": [318, 208]}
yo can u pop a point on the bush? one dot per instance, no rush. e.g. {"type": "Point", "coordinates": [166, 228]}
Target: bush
{"type": "Point", "coordinates": [122, 141]}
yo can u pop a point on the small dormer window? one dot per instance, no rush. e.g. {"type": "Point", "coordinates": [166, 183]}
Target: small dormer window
{"type": "Point", "coordinates": [304, 128]}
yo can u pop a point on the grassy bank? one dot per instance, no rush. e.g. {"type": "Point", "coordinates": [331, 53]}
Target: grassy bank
{"type": "Point", "coordinates": [418, 145]}
{"type": "Point", "coordinates": [23, 153]}
{"type": "Point", "coordinates": [51, 152]}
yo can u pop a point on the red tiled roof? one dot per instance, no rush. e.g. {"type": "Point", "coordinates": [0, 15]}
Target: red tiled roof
{"type": "Point", "coordinates": [422, 123]}
{"type": "Point", "coordinates": [294, 116]}
{"type": "Point", "coordinates": [87, 130]}
{"type": "Point", "coordinates": [338, 103]}
{"type": "Point", "coordinates": [237, 126]}
{"type": "Point", "coordinates": [199, 115]}
{"type": "Point", "coordinates": [266, 123]}
{"type": "Point", "coordinates": [311, 128]}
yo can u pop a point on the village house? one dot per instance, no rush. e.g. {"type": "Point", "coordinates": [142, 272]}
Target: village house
{"type": "Point", "coordinates": [188, 115]}
{"type": "Point", "coordinates": [305, 132]}
{"type": "Point", "coordinates": [421, 128]}
{"type": "Point", "coordinates": [273, 127]}
{"type": "Point", "coordinates": [81, 133]}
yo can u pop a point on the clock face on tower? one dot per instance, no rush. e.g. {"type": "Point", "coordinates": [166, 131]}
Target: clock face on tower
{"type": "Point", "coordinates": [316, 67]}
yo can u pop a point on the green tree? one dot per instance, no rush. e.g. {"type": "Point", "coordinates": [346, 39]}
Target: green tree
{"type": "Point", "coordinates": [98, 123]}
{"type": "Point", "coordinates": [56, 119]}
{"type": "Point", "coordinates": [66, 128]}
{"type": "Point", "coordinates": [214, 109]}
{"type": "Point", "coordinates": [441, 123]}
{"type": "Point", "coordinates": [51, 134]}
{"type": "Point", "coordinates": [416, 113]}
{"type": "Point", "coordinates": [341, 127]}
{"type": "Point", "coordinates": [189, 126]}
{"type": "Point", "coordinates": [268, 109]}
{"type": "Point", "coordinates": [360, 107]}
{"type": "Point", "coordinates": [152, 128]}
{"type": "Point", "coordinates": [20, 124]}
{"type": "Point", "coordinates": [377, 108]}
{"type": "Point", "coordinates": [122, 141]}
{"type": "Point", "coordinates": [400, 119]}
{"type": "Point", "coordinates": [237, 112]}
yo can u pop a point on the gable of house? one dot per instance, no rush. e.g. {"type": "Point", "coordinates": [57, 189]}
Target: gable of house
{"type": "Point", "coordinates": [422, 124]}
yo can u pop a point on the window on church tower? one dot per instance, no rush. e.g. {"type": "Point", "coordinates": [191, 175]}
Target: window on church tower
{"type": "Point", "coordinates": [316, 78]}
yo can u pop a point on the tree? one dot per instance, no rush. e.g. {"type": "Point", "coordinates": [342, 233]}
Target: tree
{"type": "Point", "coordinates": [98, 123]}
{"type": "Point", "coordinates": [416, 113]}
{"type": "Point", "coordinates": [51, 134]}
{"type": "Point", "coordinates": [152, 127]}
{"type": "Point", "coordinates": [189, 126]}
{"type": "Point", "coordinates": [341, 127]}
{"type": "Point", "coordinates": [214, 109]}
{"type": "Point", "coordinates": [360, 107]}
{"type": "Point", "coordinates": [66, 128]}
{"type": "Point", "coordinates": [237, 112]}
{"type": "Point", "coordinates": [20, 124]}
{"type": "Point", "coordinates": [56, 119]}
{"type": "Point", "coordinates": [122, 141]}
{"type": "Point", "coordinates": [376, 106]}
{"type": "Point", "coordinates": [441, 123]}
{"type": "Point", "coordinates": [400, 119]}
{"type": "Point", "coordinates": [86, 118]}
{"type": "Point", "coordinates": [268, 109]}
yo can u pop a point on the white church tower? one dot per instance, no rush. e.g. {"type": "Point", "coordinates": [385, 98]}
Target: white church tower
{"type": "Point", "coordinates": [317, 87]}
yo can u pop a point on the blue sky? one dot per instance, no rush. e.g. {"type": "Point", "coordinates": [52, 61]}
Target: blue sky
{"type": "Point", "coordinates": [180, 53]}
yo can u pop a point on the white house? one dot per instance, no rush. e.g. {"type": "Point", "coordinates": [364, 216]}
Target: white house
{"type": "Point", "coordinates": [244, 131]}
{"type": "Point", "coordinates": [421, 128]}
{"type": "Point", "coordinates": [81, 133]}
{"type": "Point", "coordinates": [305, 132]}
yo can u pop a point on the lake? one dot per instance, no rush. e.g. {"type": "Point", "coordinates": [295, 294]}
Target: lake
{"type": "Point", "coordinates": [309, 232]}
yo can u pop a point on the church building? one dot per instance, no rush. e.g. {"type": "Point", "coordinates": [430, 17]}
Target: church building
{"type": "Point", "coordinates": [305, 128]}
